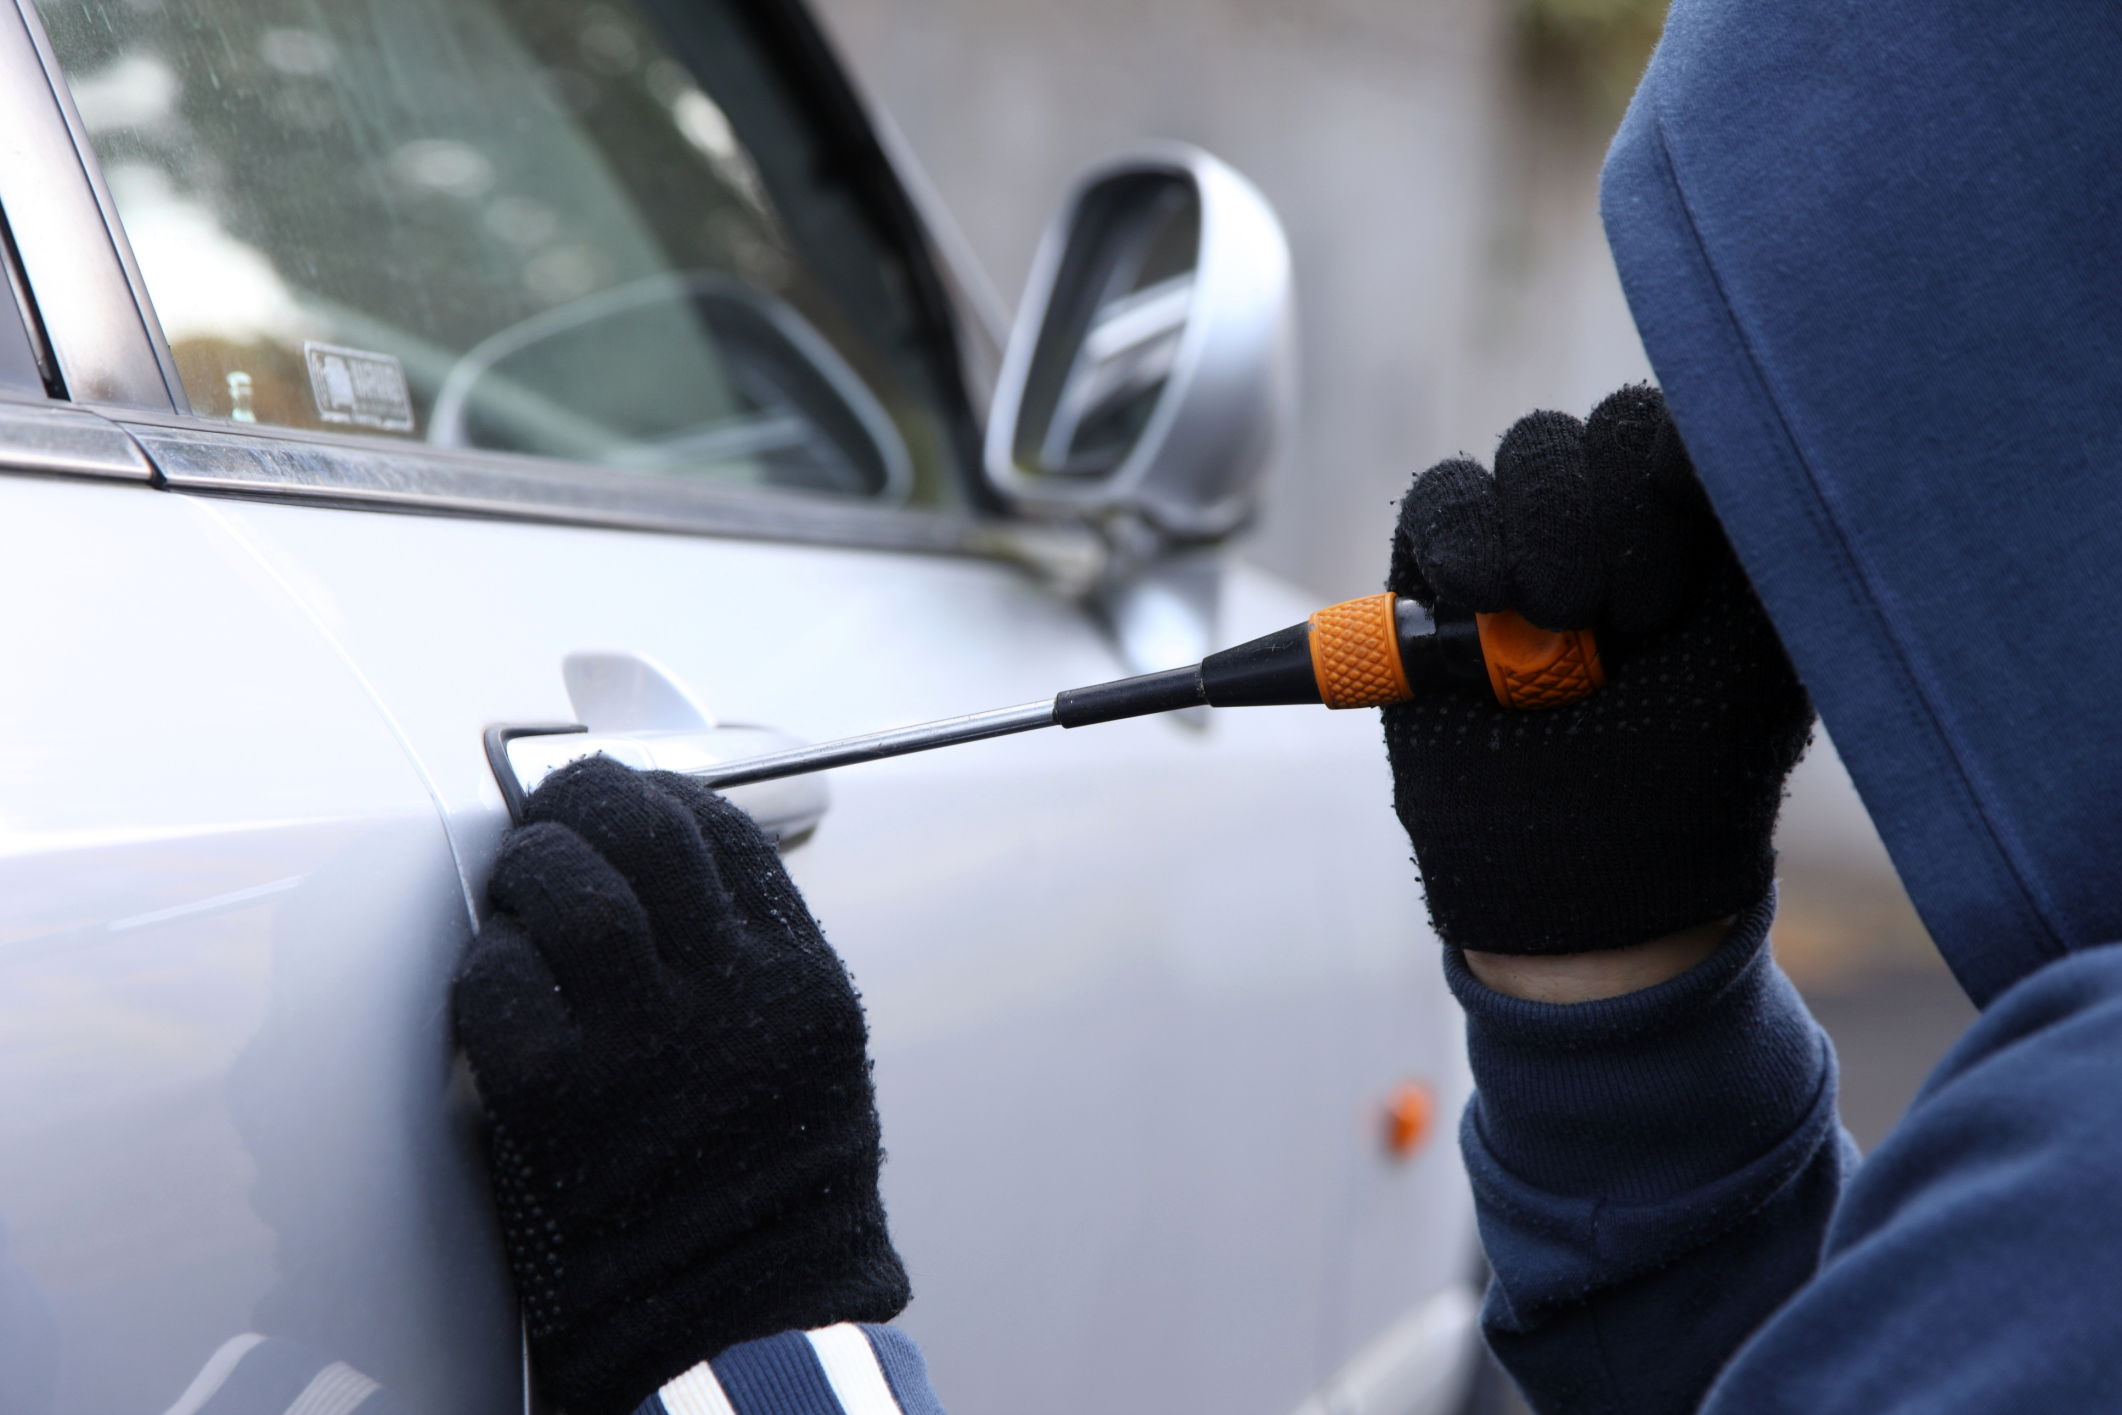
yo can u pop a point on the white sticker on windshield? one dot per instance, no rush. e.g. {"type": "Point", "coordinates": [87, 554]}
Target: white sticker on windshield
{"type": "Point", "coordinates": [359, 387]}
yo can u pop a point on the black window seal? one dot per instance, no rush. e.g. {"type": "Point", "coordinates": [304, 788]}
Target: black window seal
{"type": "Point", "coordinates": [31, 319]}
{"type": "Point", "coordinates": [792, 40]}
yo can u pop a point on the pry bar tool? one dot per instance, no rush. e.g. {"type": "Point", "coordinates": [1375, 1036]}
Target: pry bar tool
{"type": "Point", "coordinates": [1361, 653]}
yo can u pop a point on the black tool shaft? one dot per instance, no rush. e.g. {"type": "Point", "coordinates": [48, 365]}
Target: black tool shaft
{"type": "Point", "coordinates": [875, 746]}
{"type": "Point", "coordinates": [1169, 691]}
{"type": "Point", "coordinates": [1436, 651]}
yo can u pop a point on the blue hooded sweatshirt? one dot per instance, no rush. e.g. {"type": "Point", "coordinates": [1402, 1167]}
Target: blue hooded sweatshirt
{"type": "Point", "coordinates": [1874, 250]}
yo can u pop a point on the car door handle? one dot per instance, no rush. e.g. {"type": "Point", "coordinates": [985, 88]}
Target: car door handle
{"type": "Point", "coordinates": [788, 810]}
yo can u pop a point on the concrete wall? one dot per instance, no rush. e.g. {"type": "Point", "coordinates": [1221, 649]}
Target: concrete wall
{"type": "Point", "coordinates": [1450, 271]}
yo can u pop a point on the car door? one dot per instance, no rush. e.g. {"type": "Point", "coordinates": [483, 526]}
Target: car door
{"type": "Point", "coordinates": [230, 1102]}
{"type": "Point", "coordinates": [564, 363]}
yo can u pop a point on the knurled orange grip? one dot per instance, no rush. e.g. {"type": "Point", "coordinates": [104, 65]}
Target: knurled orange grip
{"type": "Point", "coordinates": [1531, 667]}
{"type": "Point", "coordinates": [1356, 654]}
{"type": "Point", "coordinates": [1355, 658]}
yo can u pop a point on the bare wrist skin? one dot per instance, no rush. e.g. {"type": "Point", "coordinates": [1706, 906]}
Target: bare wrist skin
{"type": "Point", "coordinates": [1588, 977]}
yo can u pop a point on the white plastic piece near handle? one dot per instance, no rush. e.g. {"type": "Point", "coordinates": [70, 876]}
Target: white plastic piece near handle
{"type": "Point", "coordinates": [627, 692]}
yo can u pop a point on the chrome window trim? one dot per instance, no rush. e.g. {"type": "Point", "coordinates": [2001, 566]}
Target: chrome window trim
{"type": "Point", "coordinates": [68, 441]}
{"type": "Point", "coordinates": [188, 454]}
{"type": "Point", "coordinates": [169, 452]}
{"type": "Point", "coordinates": [73, 251]}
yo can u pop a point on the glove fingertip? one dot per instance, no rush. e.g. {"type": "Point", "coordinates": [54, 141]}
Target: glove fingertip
{"type": "Point", "coordinates": [1451, 528]}
{"type": "Point", "coordinates": [747, 864]}
{"type": "Point", "coordinates": [1403, 572]}
{"type": "Point", "coordinates": [1620, 433]}
{"type": "Point", "coordinates": [526, 852]}
{"type": "Point", "coordinates": [1554, 523]}
{"type": "Point", "coordinates": [759, 882]}
{"type": "Point", "coordinates": [577, 911]}
{"type": "Point", "coordinates": [1535, 438]}
{"type": "Point", "coordinates": [704, 802]}
{"type": "Point", "coordinates": [736, 845]}
{"type": "Point", "coordinates": [582, 790]}
{"type": "Point", "coordinates": [1672, 474]}
{"type": "Point", "coordinates": [504, 1000]}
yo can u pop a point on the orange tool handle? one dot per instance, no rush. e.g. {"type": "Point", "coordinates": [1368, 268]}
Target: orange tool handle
{"type": "Point", "coordinates": [1358, 647]}
{"type": "Point", "coordinates": [1531, 667]}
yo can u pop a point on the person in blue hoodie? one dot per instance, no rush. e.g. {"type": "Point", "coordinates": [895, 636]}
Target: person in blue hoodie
{"type": "Point", "coordinates": [1875, 254]}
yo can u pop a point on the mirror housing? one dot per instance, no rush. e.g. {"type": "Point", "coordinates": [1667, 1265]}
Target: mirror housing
{"type": "Point", "coordinates": [1150, 371]}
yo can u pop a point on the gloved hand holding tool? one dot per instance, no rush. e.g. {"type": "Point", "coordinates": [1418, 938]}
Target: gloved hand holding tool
{"type": "Point", "coordinates": [1642, 1072]}
{"type": "Point", "coordinates": [1649, 806]}
{"type": "Point", "coordinates": [673, 1064]}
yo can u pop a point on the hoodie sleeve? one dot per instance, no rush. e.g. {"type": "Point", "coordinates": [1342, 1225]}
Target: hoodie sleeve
{"type": "Point", "coordinates": [1971, 1267]}
{"type": "Point", "coordinates": [1655, 1175]}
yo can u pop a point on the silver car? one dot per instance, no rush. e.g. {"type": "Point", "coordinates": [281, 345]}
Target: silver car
{"type": "Point", "coordinates": [379, 373]}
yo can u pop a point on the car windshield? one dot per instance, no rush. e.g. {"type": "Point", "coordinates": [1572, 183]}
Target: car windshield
{"type": "Point", "coordinates": [595, 231]}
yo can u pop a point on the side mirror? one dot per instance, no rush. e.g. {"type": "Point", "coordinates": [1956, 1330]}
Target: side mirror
{"type": "Point", "coordinates": [1150, 370]}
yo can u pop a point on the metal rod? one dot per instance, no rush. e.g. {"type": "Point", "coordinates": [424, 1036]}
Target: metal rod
{"type": "Point", "coordinates": [895, 742]}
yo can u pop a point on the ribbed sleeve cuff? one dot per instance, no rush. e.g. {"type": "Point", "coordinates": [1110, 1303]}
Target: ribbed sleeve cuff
{"type": "Point", "coordinates": [1649, 1095]}
{"type": "Point", "coordinates": [844, 1369]}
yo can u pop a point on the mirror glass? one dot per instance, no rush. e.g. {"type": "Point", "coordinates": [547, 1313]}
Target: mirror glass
{"type": "Point", "coordinates": [1120, 305]}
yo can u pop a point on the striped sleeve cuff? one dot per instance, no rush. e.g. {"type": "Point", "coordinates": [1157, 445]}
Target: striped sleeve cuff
{"type": "Point", "coordinates": [846, 1369]}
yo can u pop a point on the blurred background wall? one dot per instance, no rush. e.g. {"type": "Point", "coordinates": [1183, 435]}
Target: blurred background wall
{"type": "Point", "coordinates": [1436, 164]}
{"type": "Point", "coordinates": [1448, 258]}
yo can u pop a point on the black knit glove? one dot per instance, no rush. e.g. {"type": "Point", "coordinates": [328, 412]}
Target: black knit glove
{"type": "Point", "coordinates": [1649, 807]}
{"type": "Point", "coordinates": [674, 1068]}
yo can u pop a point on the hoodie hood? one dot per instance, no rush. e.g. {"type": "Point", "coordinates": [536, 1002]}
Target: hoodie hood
{"type": "Point", "coordinates": [1874, 250]}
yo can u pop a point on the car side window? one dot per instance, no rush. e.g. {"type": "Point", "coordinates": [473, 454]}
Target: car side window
{"type": "Point", "coordinates": [606, 231]}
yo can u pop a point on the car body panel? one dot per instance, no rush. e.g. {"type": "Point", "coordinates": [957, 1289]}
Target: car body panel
{"type": "Point", "coordinates": [231, 1097]}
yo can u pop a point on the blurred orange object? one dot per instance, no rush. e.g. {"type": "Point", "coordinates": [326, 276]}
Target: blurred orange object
{"type": "Point", "coordinates": [1409, 1111]}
